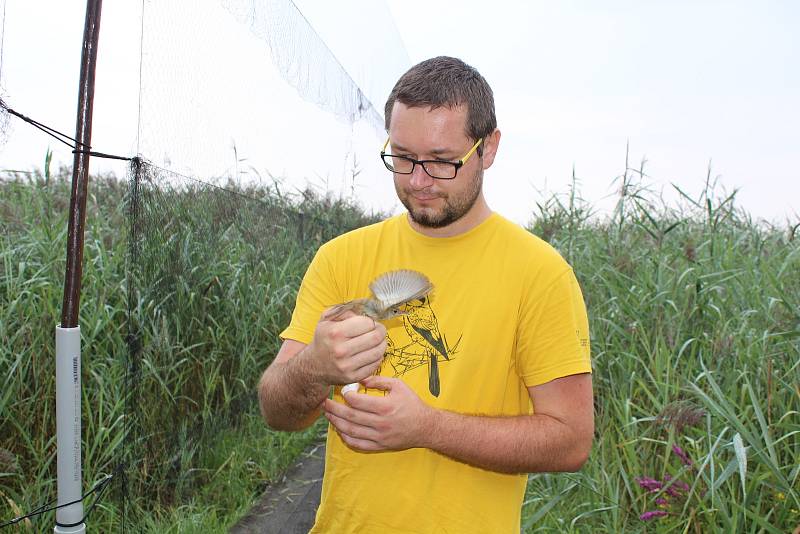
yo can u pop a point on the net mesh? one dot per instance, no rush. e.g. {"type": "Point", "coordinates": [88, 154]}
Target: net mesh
{"type": "Point", "coordinates": [212, 274]}
{"type": "Point", "coordinates": [304, 60]}
{"type": "Point", "coordinates": [219, 238]}
{"type": "Point", "coordinates": [243, 164]}
{"type": "Point", "coordinates": [219, 95]}
{"type": "Point", "coordinates": [4, 122]}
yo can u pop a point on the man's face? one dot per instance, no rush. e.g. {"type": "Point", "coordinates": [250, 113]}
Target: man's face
{"type": "Point", "coordinates": [423, 133]}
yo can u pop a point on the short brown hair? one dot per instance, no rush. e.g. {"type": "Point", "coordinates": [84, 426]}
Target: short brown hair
{"type": "Point", "coordinates": [446, 81]}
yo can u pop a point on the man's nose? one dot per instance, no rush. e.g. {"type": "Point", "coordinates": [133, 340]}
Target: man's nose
{"type": "Point", "coordinates": [419, 178]}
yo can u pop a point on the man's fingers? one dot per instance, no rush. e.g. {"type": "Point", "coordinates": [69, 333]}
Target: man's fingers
{"type": "Point", "coordinates": [352, 348]}
{"type": "Point", "coordinates": [365, 403]}
{"type": "Point", "coordinates": [356, 325]}
{"type": "Point", "coordinates": [350, 414]}
{"type": "Point", "coordinates": [384, 383]}
{"type": "Point", "coordinates": [351, 429]}
{"type": "Point", "coordinates": [365, 342]}
{"type": "Point", "coordinates": [361, 444]}
{"type": "Point", "coordinates": [366, 354]}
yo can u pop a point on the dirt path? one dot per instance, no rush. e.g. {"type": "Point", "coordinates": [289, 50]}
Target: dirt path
{"type": "Point", "coordinates": [289, 506]}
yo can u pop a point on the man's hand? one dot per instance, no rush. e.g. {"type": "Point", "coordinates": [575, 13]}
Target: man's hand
{"type": "Point", "coordinates": [300, 377]}
{"type": "Point", "coordinates": [346, 350]}
{"type": "Point", "coordinates": [396, 421]}
{"type": "Point", "coordinates": [558, 437]}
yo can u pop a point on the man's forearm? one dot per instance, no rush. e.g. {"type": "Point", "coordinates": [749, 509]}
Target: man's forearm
{"type": "Point", "coordinates": [289, 395]}
{"type": "Point", "coordinates": [521, 444]}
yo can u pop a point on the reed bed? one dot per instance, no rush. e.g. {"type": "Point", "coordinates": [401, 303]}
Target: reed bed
{"type": "Point", "coordinates": [186, 287]}
{"type": "Point", "coordinates": [695, 328]}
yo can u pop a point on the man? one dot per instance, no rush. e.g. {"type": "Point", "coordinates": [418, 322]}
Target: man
{"type": "Point", "coordinates": [478, 383]}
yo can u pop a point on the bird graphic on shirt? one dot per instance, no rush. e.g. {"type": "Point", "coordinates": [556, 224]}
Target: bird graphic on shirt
{"type": "Point", "coordinates": [423, 329]}
{"type": "Point", "coordinates": [390, 291]}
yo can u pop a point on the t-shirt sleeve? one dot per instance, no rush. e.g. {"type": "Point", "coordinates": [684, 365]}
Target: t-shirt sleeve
{"type": "Point", "coordinates": [553, 336]}
{"type": "Point", "coordinates": [318, 291]}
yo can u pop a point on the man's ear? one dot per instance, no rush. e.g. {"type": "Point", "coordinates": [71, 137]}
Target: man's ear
{"type": "Point", "coordinates": [489, 145]}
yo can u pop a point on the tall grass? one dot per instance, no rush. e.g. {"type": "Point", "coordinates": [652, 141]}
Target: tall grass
{"type": "Point", "coordinates": [695, 324]}
{"type": "Point", "coordinates": [32, 259]}
{"type": "Point", "coordinates": [212, 282]}
{"type": "Point", "coordinates": [209, 285]}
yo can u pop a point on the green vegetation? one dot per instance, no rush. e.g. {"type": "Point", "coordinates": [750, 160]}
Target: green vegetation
{"type": "Point", "coordinates": [695, 325]}
{"type": "Point", "coordinates": [210, 284]}
{"type": "Point", "coordinates": [695, 329]}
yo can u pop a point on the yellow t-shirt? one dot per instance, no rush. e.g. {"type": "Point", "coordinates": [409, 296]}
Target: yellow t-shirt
{"type": "Point", "coordinates": [506, 313]}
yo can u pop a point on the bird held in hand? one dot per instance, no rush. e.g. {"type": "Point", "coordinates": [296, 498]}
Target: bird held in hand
{"type": "Point", "coordinates": [389, 292]}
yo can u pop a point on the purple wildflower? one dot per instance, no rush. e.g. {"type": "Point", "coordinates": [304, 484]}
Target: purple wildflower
{"type": "Point", "coordinates": [647, 516]}
{"type": "Point", "coordinates": [662, 502]}
{"type": "Point", "coordinates": [674, 488]}
{"type": "Point", "coordinates": [680, 453]}
{"type": "Point", "coordinates": [681, 485]}
{"type": "Point", "coordinates": [650, 484]}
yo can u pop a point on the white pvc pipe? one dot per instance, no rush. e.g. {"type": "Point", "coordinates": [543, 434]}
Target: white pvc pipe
{"type": "Point", "coordinates": [68, 429]}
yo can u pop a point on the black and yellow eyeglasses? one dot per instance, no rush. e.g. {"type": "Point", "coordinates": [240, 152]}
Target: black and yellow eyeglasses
{"type": "Point", "coordinates": [439, 169]}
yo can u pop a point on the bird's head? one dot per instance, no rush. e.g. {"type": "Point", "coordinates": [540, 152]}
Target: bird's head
{"type": "Point", "coordinates": [394, 311]}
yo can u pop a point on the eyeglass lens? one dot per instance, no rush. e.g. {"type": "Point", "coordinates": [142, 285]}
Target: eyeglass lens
{"type": "Point", "coordinates": [401, 165]}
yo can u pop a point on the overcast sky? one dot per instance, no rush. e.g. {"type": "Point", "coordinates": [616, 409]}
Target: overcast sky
{"type": "Point", "coordinates": [684, 83]}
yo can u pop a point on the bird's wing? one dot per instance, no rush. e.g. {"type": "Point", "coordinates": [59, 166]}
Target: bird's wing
{"type": "Point", "coordinates": [398, 287]}
{"type": "Point", "coordinates": [418, 295]}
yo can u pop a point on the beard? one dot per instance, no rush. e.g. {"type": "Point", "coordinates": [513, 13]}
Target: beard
{"type": "Point", "coordinates": [456, 205]}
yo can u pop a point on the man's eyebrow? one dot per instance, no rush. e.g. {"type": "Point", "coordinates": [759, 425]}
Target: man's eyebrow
{"type": "Point", "coordinates": [399, 147]}
{"type": "Point", "coordinates": [440, 151]}
{"type": "Point", "coordinates": [434, 152]}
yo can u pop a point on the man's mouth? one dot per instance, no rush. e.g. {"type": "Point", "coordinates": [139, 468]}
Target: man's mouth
{"type": "Point", "coordinates": [419, 195]}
